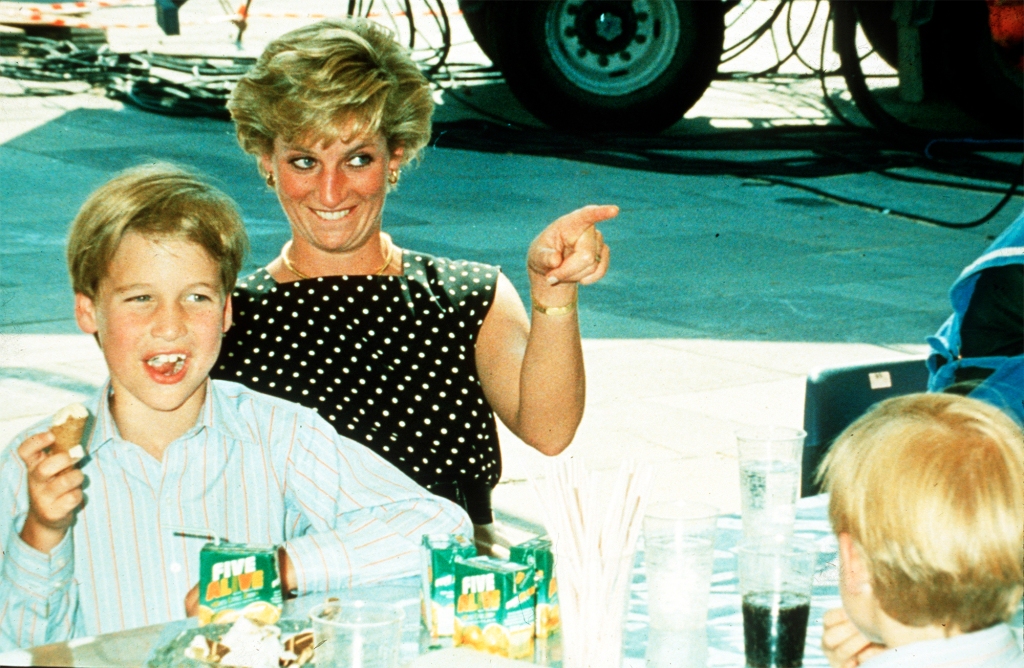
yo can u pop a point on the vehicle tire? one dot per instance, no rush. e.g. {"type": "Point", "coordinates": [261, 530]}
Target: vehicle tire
{"type": "Point", "coordinates": [844, 25]}
{"type": "Point", "coordinates": [961, 65]}
{"type": "Point", "coordinates": [846, 17]}
{"type": "Point", "coordinates": [875, 18]}
{"type": "Point", "coordinates": [982, 78]}
{"type": "Point", "coordinates": [607, 65]}
{"type": "Point", "coordinates": [477, 15]}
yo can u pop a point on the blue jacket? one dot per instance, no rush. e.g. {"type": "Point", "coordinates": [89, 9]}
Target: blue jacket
{"type": "Point", "coordinates": [1005, 387]}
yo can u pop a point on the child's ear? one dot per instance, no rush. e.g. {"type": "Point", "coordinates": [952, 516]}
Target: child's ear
{"type": "Point", "coordinates": [855, 577]}
{"type": "Point", "coordinates": [227, 315]}
{"type": "Point", "coordinates": [85, 313]}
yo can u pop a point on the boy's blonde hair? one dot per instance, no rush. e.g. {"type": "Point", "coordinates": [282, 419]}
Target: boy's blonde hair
{"type": "Point", "coordinates": [931, 487]}
{"type": "Point", "coordinates": [310, 83]}
{"type": "Point", "coordinates": [155, 200]}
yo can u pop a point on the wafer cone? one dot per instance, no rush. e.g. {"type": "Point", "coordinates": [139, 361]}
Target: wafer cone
{"type": "Point", "coordinates": [67, 428]}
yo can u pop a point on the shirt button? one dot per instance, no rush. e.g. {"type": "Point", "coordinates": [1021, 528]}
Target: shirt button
{"type": "Point", "coordinates": [175, 567]}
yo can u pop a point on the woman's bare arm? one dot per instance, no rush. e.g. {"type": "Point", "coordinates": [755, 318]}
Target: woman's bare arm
{"type": "Point", "coordinates": [532, 373]}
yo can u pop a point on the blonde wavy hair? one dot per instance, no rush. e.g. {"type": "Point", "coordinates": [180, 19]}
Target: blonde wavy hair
{"type": "Point", "coordinates": [155, 200]}
{"type": "Point", "coordinates": [333, 78]}
{"type": "Point", "coordinates": [931, 487]}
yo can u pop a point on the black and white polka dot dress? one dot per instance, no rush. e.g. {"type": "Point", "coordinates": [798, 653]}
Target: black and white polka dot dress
{"type": "Point", "coordinates": [388, 360]}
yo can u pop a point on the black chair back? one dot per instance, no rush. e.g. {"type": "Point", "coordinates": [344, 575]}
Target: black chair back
{"type": "Point", "coordinates": [836, 397]}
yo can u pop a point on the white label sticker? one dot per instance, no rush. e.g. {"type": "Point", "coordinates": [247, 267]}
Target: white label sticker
{"type": "Point", "coordinates": [880, 380]}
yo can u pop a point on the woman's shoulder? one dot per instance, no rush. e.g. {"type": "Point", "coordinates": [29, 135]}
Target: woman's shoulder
{"type": "Point", "coordinates": [258, 282]}
{"type": "Point", "coordinates": [455, 283]}
{"type": "Point", "coordinates": [434, 267]}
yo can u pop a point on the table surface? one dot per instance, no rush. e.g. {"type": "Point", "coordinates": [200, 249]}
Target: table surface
{"type": "Point", "coordinates": [724, 628]}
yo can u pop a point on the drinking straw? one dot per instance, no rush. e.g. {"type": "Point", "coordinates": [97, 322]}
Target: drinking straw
{"type": "Point", "coordinates": [593, 534]}
{"type": "Point", "coordinates": [194, 532]}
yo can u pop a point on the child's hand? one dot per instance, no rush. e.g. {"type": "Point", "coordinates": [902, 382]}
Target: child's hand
{"type": "Point", "coordinates": [843, 643]}
{"type": "Point", "coordinates": [192, 602]}
{"type": "Point", "coordinates": [54, 492]}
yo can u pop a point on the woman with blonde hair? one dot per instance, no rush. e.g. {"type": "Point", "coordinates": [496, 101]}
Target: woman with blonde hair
{"type": "Point", "coordinates": [410, 354]}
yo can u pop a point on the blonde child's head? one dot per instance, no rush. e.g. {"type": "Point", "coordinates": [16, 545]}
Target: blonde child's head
{"type": "Point", "coordinates": [153, 255]}
{"type": "Point", "coordinates": [930, 487]}
{"type": "Point", "coordinates": [157, 201]}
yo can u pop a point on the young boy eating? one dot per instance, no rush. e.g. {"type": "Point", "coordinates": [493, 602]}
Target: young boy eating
{"type": "Point", "coordinates": [927, 501]}
{"type": "Point", "coordinates": [112, 541]}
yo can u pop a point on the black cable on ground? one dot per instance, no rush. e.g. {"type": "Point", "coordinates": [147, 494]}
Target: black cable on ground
{"type": "Point", "coordinates": [655, 155]}
{"type": "Point", "coordinates": [794, 48]}
{"type": "Point", "coordinates": [1010, 192]}
{"type": "Point", "coordinates": [906, 178]}
{"type": "Point", "coordinates": [860, 153]}
{"type": "Point", "coordinates": [747, 42]}
{"type": "Point", "coordinates": [826, 98]}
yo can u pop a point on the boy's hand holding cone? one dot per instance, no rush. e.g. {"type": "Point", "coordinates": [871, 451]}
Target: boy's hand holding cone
{"type": "Point", "coordinates": [68, 428]}
{"type": "Point", "coordinates": [54, 482]}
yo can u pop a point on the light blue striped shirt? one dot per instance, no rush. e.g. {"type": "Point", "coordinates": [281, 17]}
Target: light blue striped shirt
{"type": "Point", "coordinates": [254, 469]}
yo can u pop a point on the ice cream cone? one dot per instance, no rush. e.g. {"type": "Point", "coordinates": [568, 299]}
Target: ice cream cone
{"type": "Point", "coordinates": [67, 429]}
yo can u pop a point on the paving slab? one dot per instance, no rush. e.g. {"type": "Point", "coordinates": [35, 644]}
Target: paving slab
{"type": "Point", "coordinates": [796, 358]}
{"type": "Point", "coordinates": [778, 402]}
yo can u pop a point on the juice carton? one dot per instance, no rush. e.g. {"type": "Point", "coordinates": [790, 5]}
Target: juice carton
{"type": "Point", "coordinates": [437, 597]}
{"type": "Point", "coordinates": [494, 606]}
{"type": "Point", "coordinates": [236, 580]}
{"type": "Point", "coordinates": [537, 553]}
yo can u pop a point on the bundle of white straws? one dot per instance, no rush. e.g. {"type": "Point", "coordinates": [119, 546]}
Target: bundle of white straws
{"type": "Point", "coordinates": [593, 533]}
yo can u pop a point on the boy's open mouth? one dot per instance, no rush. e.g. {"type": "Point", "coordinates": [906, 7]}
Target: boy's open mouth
{"type": "Point", "coordinates": [167, 364]}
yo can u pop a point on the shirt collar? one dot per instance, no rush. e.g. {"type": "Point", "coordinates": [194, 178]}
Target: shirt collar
{"type": "Point", "coordinates": [104, 429]}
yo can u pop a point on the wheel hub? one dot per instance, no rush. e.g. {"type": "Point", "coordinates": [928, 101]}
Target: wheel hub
{"type": "Point", "coordinates": [612, 47]}
{"type": "Point", "coordinates": [604, 27]}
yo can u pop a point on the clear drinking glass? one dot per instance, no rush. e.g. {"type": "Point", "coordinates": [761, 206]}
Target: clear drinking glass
{"type": "Point", "coordinates": [776, 575]}
{"type": "Point", "coordinates": [770, 460]}
{"type": "Point", "coordinates": [357, 634]}
{"type": "Point", "coordinates": [679, 554]}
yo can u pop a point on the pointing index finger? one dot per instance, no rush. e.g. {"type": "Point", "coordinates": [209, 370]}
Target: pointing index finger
{"type": "Point", "coordinates": [579, 221]}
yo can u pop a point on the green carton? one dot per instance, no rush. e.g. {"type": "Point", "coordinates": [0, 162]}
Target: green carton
{"type": "Point", "coordinates": [494, 608]}
{"type": "Point", "coordinates": [537, 553]}
{"type": "Point", "coordinates": [238, 580]}
{"type": "Point", "coordinates": [437, 597]}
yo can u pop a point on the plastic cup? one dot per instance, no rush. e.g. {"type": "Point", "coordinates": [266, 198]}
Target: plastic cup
{"type": "Point", "coordinates": [596, 645]}
{"type": "Point", "coordinates": [770, 461]}
{"type": "Point", "coordinates": [679, 554]}
{"type": "Point", "coordinates": [775, 585]}
{"type": "Point", "coordinates": [677, 649]}
{"type": "Point", "coordinates": [357, 634]}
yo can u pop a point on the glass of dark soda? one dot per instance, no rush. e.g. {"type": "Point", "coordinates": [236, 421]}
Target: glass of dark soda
{"type": "Point", "coordinates": [775, 582]}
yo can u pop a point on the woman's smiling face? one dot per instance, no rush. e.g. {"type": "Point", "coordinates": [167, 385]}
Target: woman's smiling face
{"type": "Point", "coordinates": [333, 193]}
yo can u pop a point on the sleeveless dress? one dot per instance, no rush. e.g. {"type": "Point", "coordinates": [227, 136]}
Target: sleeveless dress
{"type": "Point", "coordinates": [389, 361]}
